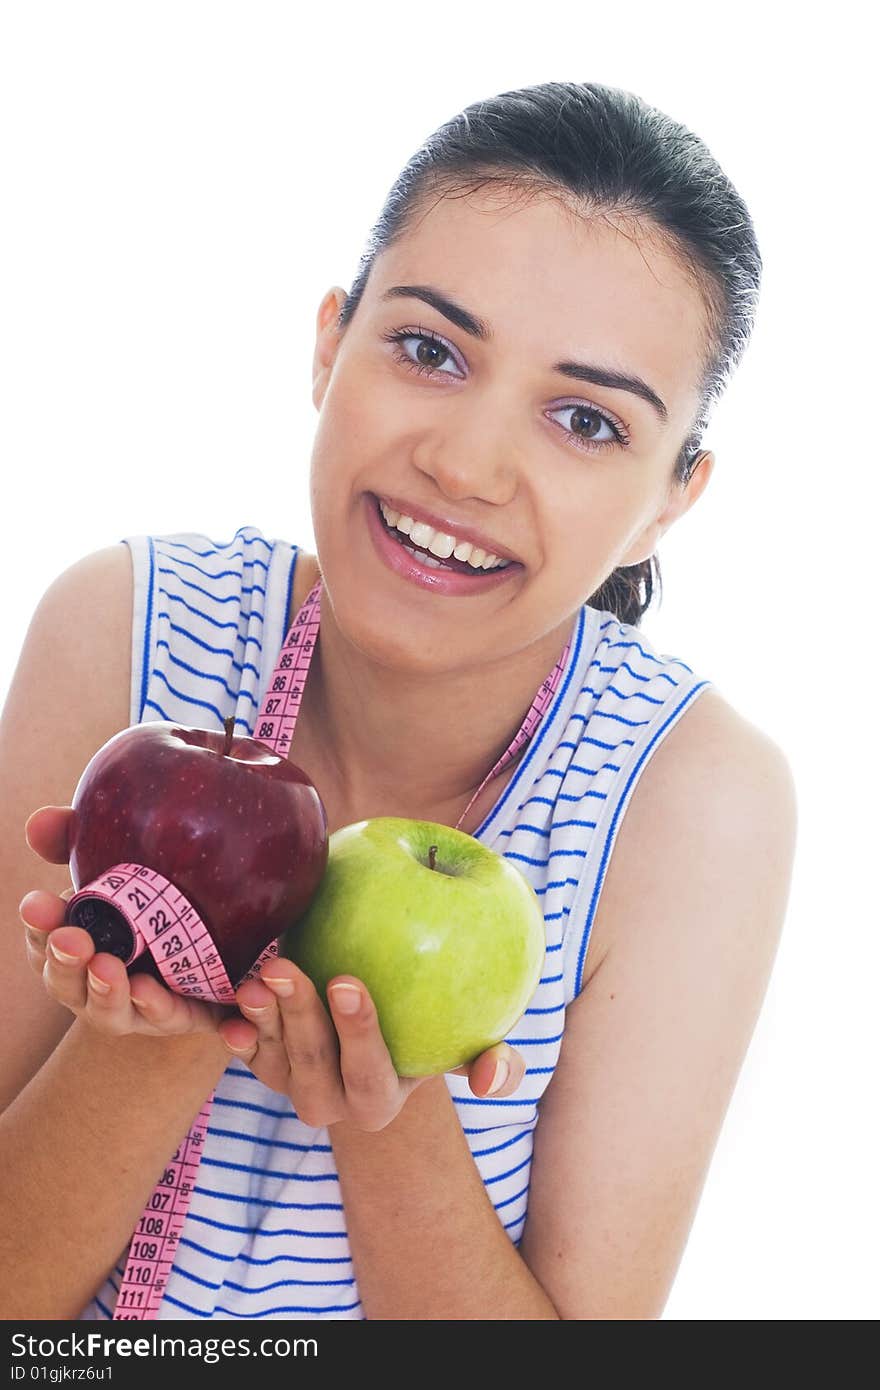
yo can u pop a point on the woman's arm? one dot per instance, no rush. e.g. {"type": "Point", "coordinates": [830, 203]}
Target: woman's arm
{"type": "Point", "coordinates": [654, 1044]}
{"type": "Point", "coordinates": [68, 695]}
{"type": "Point", "coordinates": [89, 1119]}
{"type": "Point", "coordinates": [650, 1056]}
{"type": "Point", "coordinates": [425, 1238]}
{"type": "Point", "coordinates": [80, 1151]}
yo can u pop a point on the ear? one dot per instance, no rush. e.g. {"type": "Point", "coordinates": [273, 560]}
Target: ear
{"type": "Point", "coordinates": [681, 499]}
{"type": "Point", "coordinates": [329, 336]}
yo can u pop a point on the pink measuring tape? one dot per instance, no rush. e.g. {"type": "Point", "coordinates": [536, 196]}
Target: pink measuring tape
{"type": "Point", "coordinates": [163, 922]}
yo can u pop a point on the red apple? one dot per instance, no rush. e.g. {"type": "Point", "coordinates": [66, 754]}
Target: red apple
{"type": "Point", "coordinates": [237, 828]}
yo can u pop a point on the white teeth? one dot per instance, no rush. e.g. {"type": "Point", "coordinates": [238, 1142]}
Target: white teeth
{"type": "Point", "coordinates": [440, 543]}
{"type": "Point", "coordinates": [423, 559]}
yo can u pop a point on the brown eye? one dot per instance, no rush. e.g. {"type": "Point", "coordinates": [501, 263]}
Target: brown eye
{"type": "Point", "coordinates": [422, 352]}
{"type": "Point", "coordinates": [586, 422]}
{"type": "Point", "coordinates": [582, 425]}
{"type": "Point", "coordinates": [431, 353]}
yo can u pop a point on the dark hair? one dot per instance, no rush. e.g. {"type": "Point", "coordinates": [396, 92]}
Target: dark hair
{"type": "Point", "coordinates": [616, 155]}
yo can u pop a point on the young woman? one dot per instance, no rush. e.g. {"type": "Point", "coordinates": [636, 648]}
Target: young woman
{"type": "Point", "coordinates": [557, 289]}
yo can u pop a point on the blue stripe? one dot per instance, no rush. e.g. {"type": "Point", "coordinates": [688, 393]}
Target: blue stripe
{"type": "Point", "coordinates": [263, 1109]}
{"type": "Point", "coordinates": [270, 1235]}
{"type": "Point", "coordinates": [293, 559]}
{"type": "Point", "coordinates": [215, 598]}
{"type": "Point", "coordinates": [221, 574]}
{"type": "Point", "coordinates": [175, 598]}
{"type": "Point", "coordinates": [476, 1100]}
{"type": "Point", "coordinates": [206, 646]}
{"type": "Point", "coordinates": [515, 1198]}
{"type": "Point", "coordinates": [188, 699]}
{"type": "Point", "coordinates": [552, 1009]}
{"type": "Point", "coordinates": [594, 771]}
{"type": "Point", "coordinates": [496, 1148]}
{"type": "Point", "coordinates": [164, 617]}
{"type": "Point", "coordinates": [272, 1142]}
{"type": "Point", "coordinates": [264, 1313]}
{"type": "Point", "coordinates": [269, 1259]}
{"type": "Point", "coordinates": [623, 695]}
{"type": "Point", "coordinates": [146, 657]}
{"type": "Point", "coordinates": [609, 838]}
{"type": "Point", "coordinates": [542, 863]}
{"type": "Point", "coordinates": [264, 1288]}
{"type": "Point", "coordinates": [269, 1173]}
{"type": "Point", "coordinates": [533, 1042]}
{"type": "Point", "coordinates": [285, 1283]}
{"type": "Point", "coordinates": [241, 666]}
{"type": "Point", "coordinates": [649, 656]}
{"type": "Point", "coordinates": [557, 883]}
{"type": "Point", "coordinates": [104, 1309]}
{"type": "Point", "coordinates": [219, 545]}
{"type": "Point", "coordinates": [208, 676]}
{"type": "Point", "coordinates": [500, 1177]}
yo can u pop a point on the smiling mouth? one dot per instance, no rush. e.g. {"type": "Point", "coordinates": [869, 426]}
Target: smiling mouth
{"type": "Point", "coordinates": [427, 556]}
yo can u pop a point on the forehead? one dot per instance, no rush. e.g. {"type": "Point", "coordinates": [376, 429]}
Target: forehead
{"type": "Point", "coordinates": [553, 283]}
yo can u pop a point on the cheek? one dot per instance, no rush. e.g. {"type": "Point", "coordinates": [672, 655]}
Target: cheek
{"type": "Point", "coordinates": [583, 539]}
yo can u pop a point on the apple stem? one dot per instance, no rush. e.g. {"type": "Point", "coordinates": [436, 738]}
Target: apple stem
{"type": "Point", "coordinates": [432, 857]}
{"type": "Point", "coordinates": [229, 726]}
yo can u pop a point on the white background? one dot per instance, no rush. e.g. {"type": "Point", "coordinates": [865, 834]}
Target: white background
{"type": "Point", "coordinates": [182, 181]}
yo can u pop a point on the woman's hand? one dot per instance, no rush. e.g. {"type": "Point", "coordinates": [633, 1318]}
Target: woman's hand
{"type": "Point", "coordinates": [96, 985]}
{"type": "Point", "coordinates": [336, 1067]}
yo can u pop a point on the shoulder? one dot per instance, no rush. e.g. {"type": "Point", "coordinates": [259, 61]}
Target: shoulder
{"type": "Point", "coordinates": [69, 691]}
{"type": "Point", "coordinates": [692, 908]}
{"type": "Point", "coordinates": [82, 623]}
{"type": "Point", "coordinates": [717, 800]}
{"type": "Point", "coordinates": [717, 763]}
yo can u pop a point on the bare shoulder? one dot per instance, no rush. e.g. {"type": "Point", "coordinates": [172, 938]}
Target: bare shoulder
{"type": "Point", "coordinates": [717, 785]}
{"type": "Point", "coordinates": [713, 739]}
{"type": "Point", "coordinates": [69, 693]}
{"type": "Point", "coordinates": [687, 925]}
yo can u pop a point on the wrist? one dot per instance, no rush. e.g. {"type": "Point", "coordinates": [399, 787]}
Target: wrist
{"type": "Point", "coordinates": [187, 1054]}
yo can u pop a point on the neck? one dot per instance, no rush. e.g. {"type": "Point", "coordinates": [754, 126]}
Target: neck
{"type": "Point", "coordinates": [391, 742]}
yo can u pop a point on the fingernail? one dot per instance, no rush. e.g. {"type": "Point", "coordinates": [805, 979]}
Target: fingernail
{"type": "Point", "coordinates": [502, 1072]}
{"type": "Point", "coordinates": [99, 986]}
{"type": "Point", "coordinates": [62, 956]}
{"type": "Point", "coordinates": [138, 1003]}
{"type": "Point", "coordinates": [281, 986]}
{"type": "Point", "coordinates": [254, 1008]}
{"type": "Point", "coordinates": [345, 998]}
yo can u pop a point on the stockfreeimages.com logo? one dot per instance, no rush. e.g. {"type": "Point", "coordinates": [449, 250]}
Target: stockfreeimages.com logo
{"type": "Point", "coordinates": [94, 1345]}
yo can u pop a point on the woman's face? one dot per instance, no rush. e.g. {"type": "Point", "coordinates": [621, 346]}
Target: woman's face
{"type": "Point", "coordinates": [571, 477]}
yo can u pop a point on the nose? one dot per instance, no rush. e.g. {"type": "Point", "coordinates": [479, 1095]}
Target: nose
{"type": "Point", "coordinates": [470, 458]}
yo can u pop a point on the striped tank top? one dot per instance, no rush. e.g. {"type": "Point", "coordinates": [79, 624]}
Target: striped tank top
{"type": "Point", "coordinates": [265, 1235]}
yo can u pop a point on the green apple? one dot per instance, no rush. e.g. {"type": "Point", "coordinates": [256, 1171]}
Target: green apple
{"type": "Point", "coordinates": [447, 936]}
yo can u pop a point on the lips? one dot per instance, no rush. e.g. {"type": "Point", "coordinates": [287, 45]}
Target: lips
{"type": "Point", "coordinates": [450, 562]}
{"type": "Point", "coordinates": [459, 530]}
{"type": "Point", "coordinates": [413, 566]}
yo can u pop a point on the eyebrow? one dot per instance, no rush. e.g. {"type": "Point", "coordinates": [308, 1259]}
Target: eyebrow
{"type": "Point", "coordinates": [576, 371]}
